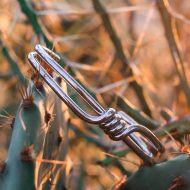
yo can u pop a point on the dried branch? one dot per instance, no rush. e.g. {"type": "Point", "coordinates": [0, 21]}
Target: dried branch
{"type": "Point", "coordinates": [111, 32]}
{"type": "Point", "coordinates": [173, 42]}
{"type": "Point", "coordinates": [126, 70]}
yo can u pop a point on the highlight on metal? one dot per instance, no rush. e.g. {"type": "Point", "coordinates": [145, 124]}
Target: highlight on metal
{"type": "Point", "coordinates": [117, 125]}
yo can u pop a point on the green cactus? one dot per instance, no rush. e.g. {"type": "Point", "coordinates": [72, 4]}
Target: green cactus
{"type": "Point", "coordinates": [170, 175]}
{"type": "Point", "coordinates": [18, 171]}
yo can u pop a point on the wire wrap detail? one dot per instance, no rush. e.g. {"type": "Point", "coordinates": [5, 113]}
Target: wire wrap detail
{"type": "Point", "coordinates": [117, 125]}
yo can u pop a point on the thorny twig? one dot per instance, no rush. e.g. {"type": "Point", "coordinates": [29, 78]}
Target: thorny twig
{"type": "Point", "coordinates": [173, 42]}
{"type": "Point", "coordinates": [121, 54]}
{"type": "Point", "coordinates": [34, 21]}
{"type": "Point", "coordinates": [111, 32]}
{"type": "Point", "coordinates": [13, 65]}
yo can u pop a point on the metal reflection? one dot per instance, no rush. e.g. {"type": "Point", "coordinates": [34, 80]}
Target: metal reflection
{"type": "Point", "coordinates": [117, 125]}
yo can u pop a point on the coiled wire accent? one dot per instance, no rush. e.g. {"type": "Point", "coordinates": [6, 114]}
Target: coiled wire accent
{"type": "Point", "coordinates": [117, 125]}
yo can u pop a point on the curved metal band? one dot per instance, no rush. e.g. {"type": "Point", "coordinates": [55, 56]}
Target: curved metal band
{"type": "Point", "coordinates": [118, 125]}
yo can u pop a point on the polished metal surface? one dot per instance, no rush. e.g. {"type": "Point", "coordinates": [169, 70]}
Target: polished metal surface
{"type": "Point", "coordinates": [117, 125]}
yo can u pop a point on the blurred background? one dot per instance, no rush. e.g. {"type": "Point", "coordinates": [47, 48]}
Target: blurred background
{"type": "Point", "coordinates": [135, 51]}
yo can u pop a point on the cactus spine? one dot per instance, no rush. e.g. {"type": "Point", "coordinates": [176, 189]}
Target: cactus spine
{"type": "Point", "coordinates": [18, 172]}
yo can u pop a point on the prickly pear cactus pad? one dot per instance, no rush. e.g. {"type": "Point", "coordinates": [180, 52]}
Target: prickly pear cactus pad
{"type": "Point", "coordinates": [170, 175]}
